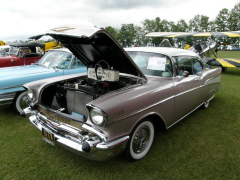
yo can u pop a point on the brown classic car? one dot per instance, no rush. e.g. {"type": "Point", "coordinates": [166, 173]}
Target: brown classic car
{"type": "Point", "coordinates": [116, 106]}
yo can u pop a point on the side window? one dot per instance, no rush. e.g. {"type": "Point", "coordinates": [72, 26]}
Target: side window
{"type": "Point", "coordinates": [197, 66]}
{"type": "Point", "coordinates": [190, 64]}
{"type": "Point", "coordinates": [77, 64]}
{"type": "Point", "coordinates": [184, 64]}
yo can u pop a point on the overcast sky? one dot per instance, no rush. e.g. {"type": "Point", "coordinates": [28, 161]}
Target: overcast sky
{"type": "Point", "coordinates": [21, 19]}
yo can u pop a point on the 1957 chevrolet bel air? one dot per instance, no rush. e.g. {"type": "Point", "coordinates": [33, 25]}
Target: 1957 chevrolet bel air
{"type": "Point", "coordinates": [115, 107]}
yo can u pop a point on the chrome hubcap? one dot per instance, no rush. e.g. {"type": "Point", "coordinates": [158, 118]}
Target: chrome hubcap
{"type": "Point", "coordinates": [206, 104]}
{"type": "Point", "coordinates": [141, 139]}
{"type": "Point", "coordinates": [25, 101]}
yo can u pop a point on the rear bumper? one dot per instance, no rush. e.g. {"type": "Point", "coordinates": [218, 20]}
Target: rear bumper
{"type": "Point", "coordinates": [94, 148]}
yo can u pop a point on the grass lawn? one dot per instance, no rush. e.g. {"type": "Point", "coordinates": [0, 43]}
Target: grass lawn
{"type": "Point", "coordinates": [228, 54]}
{"type": "Point", "coordinates": [205, 146]}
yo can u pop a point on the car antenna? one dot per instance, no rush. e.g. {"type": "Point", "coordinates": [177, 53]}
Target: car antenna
{"type": "Point", "coordinates": [93, 22]}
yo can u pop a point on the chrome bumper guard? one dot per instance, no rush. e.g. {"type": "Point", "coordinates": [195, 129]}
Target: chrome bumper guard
{"type": "Point", "coordinates": [87, 141]}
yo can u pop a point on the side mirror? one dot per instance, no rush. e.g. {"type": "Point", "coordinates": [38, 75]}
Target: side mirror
{"type": "Point", "coordinates": [185, 74]}
{"type": "Point", "coordinates": [55, 68]}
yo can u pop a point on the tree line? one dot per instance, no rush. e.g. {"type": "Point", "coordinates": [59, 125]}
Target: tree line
{"type": "Point", "coordinates": [130, 34]}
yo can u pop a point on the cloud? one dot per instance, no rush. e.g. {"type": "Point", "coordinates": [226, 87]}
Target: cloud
{"type": "Point", "coordinates": [131, 4]}
{"type": "Point", "coordinates": [27, 18]}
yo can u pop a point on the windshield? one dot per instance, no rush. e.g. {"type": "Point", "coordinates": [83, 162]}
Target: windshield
{"type": "Point", "coordinates": [2, 52]}
{"type": "Point", "coordinates": [153, 64]}
{"type": "Point", "coordinates": [13, 51]}
{"type": "Point", "coordinates": [54, 59]}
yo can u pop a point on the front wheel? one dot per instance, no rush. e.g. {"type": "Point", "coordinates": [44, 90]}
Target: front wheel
{"type": "Point", "coordinates": [21, 102]}
{"type": "Point", "coordinates": [140, 142]}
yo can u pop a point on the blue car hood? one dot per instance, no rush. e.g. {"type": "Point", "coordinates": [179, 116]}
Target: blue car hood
{"type": "Point", "coordinates": [12, 78]}
{"type": "Point", "coordinates": [19, 71]}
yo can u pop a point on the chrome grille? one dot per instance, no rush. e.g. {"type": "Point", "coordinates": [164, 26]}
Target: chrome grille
{"type": "Point", "coordinates": [59, 119]}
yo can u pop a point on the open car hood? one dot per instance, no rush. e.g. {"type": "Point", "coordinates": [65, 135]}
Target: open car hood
{"type": "Point", "coordinates": [28, 44]}
{"type": "Point", "coordinates": [91, 45]}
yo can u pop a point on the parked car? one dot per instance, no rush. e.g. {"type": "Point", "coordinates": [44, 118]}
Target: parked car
{"type": "Point", "coordinates": [54, 63]}
{"type": "Point", "coordinates": [22, 54]}
{"type": "Point", "coordinates": [115, 107]}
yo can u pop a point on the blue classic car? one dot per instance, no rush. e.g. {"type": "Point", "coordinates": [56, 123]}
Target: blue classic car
{"type": "Point", "coordinates": [54, 63]}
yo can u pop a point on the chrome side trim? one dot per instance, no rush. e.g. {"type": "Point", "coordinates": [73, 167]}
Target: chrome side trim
{"type": "Point", "coordinates": [190, 112]}
{"type": "Point", "coordinates": [7, 98]}
{"type": "Point", "coordinates": [184, 116]}
{"type": "Point", "coordinates": [12, 87]}
{"type": "Point", "coordinates": [210, 98]}
{"type": "Point", "coordinates": [193, 89]}
{"type": "Point", "coordinates": [213, 80]}
{"type": "Point", "coordinates": [205, 84]}
{"type": "Point", "coordinates": [156, 104]}
{"type": "Point", "coordinates": [129, 115]}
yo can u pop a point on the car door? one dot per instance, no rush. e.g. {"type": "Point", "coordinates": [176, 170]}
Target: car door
{"type": "Point", "coordinates": [24, 57]}
{"type": "Point", "coordinates": [7, 61]}
{"type": "Point", "coordinates": [187, 89]}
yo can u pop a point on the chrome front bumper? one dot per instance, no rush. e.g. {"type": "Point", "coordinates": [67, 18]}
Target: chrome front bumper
{"type": "Point", "coordinates": [93, 145]}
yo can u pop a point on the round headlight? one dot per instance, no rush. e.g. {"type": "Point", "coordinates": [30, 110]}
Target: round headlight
{"type": "Point", "coordinates": [98, 117]}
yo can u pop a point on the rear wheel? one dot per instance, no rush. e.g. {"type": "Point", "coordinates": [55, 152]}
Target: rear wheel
{"type": "Point", "coordinates": [21, 102]}
{"type": "Point", "coordinates": [140, 142]}
{"type": "Point", "coordinates": [205, 105]}
{"type": "Point", "coordinates": [224, 69]}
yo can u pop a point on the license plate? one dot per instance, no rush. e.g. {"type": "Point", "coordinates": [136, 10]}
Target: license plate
{"type": "Point", "coordinates": [48, 136]}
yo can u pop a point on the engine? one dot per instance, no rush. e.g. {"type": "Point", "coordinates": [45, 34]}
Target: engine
{"type": "Point", "coordinates": [74, 94]}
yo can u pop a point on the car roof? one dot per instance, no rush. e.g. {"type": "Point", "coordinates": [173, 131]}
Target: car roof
{"type": "Point", "coordinates": [5, 46]}
{"type": "Point", "coordinates": [164, 50]}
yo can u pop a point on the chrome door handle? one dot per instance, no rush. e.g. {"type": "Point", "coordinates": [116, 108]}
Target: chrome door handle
{"type": "Point", "coordinates": [197, 79]}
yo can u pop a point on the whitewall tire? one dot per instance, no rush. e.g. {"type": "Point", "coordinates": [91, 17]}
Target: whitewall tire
{"type": "Point", "coordinates": [21, 102]}
{"type": "Point", "coordinates": [140, 141]}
